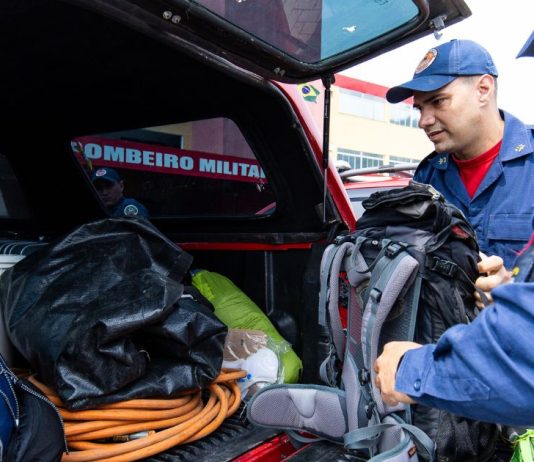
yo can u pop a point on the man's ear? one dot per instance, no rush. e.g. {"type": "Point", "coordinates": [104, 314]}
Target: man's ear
{"type": "Point", "coordinates": [121, 185]}
{"type": "Point", "coordinates": [486, 88]}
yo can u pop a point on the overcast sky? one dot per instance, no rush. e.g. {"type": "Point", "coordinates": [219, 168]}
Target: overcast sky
{"type": "Point", "coordinates": [501, 27]}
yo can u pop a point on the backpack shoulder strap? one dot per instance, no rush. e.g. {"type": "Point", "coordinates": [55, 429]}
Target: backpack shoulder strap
{"type": "Point", "coordinates": [363, 438]}
{"type": "Point", "coordinates": [330, 264]}
{"type": "Point", "coordinates": [394, 276]}
{"type": "Point", "coordinates": [340, 256]}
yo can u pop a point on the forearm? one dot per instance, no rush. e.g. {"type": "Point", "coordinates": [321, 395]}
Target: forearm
{"type": "Point", "coordinates": [484, 370]}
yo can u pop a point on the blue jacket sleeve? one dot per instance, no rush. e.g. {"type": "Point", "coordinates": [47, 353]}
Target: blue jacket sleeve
{"type": "Point", "coordinates": [484, 370]}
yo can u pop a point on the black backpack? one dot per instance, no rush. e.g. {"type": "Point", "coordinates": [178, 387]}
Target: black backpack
{"type": "Point", "coordinates": [407, 273]}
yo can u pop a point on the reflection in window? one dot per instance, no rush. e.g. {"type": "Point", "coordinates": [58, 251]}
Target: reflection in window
{"type": "Point", "coordinates": [360, 159]}
{"type": "Point", "coordinates": [315, 30]}
{"type": "Point", "coordinates": [12, 200]}
{"type": "Point", "coordinates": [404, 114]}
{"type": "Point", "coordinates": [361, 104]}
{"type": "Point", "coordinates": [201, 167]}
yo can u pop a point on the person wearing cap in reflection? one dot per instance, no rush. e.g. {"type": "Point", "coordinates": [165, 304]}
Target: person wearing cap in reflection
{"type": "Point", "coordinates": [110, 187]}
{"type": "Point", "coordinates": [483, 161]}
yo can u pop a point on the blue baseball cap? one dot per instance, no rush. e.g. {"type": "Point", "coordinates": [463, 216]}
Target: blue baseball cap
{"type": "Point", "coordinates": [528, 47]}
{"type": "Point", "coordinates": [441, 65]}
{"type": "Point", "coordinates": [107, 174]}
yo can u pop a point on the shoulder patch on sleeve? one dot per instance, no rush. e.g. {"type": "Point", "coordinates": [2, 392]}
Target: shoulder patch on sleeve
{"type": "Point", "coordinates": [130, 210]}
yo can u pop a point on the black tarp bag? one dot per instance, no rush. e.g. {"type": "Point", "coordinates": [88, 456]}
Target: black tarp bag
{"type": "Point", "coordinates": [102, 317]}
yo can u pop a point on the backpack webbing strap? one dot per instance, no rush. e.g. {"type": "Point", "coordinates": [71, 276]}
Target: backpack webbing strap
{"type": "Point", "coordinates": [367, 437]}
{"type": "Point", "coordinates": [451, 269]}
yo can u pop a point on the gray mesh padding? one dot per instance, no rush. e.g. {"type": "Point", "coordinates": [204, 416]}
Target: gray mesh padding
{"type": "Point", "coordinates": [313, 408]}
{"type": "Point", "coordinates": [355, 318]}
{"type": "Point", "coordinates": [326, 263]}
{"type": "Point", "coordinates": [395, 445]}
{"type": "Point", "coordinates": [391, 437]}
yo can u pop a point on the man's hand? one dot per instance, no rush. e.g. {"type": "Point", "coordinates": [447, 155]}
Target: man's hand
{"type": "Point", "coordinates": [497, 274]}
{"type": "Point", "coordinates": [386, 368]}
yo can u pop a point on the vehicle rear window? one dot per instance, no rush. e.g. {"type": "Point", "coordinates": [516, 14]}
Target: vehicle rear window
{"type": "Point", "coordinates": [12, 203]}
{"type": "Point", "coordinates": [313, 30]}
{"type": "Point", "coordinates": [197, 168]}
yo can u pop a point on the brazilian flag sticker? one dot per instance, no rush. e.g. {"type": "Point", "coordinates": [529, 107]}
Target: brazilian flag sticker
{"type": "Point", "coordinates": [309, 92]}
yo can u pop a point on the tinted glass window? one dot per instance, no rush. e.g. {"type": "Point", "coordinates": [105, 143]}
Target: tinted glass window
{"type": "Point", "coordinates": [199, 168]}
{"type": "Point", "coordinates": [314, 30]}
{"type": "Point", "coordinates": [12, 203]}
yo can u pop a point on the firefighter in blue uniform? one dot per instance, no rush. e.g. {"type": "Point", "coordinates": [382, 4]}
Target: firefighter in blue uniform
{"type": "Point", "coordinates": [484, 370]}
{"type": "Point", "coordinates": [110, 187]}
{"type": "Point", "coordinates": [484, 157]}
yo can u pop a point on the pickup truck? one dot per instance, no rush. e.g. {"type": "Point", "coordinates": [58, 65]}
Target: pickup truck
{"type": "Point", "coordinates": [183, 98]}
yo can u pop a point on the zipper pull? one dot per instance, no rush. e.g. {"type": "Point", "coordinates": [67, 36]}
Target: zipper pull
{"type": "Point", "coordinates": [435, 193]}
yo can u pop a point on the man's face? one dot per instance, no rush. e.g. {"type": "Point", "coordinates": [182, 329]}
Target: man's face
{"type": "Point", "coordinates": [451, 117]}
{"type": "Point", "coordinates": [109, 192]}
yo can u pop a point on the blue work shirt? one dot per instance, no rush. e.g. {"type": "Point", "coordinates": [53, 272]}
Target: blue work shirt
{"type": "Point", "coordinates": [128, 207]}
{"type": "Point", "coordinates": [502, 207]}
{"type": "Point", "coordinates": [483, 371]}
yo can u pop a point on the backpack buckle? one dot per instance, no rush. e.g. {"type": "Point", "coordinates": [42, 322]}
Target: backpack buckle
{"type": "Point", "coordinates": [375, 295]}
{"type": "Point", "coordinates": [341, 239]}
{"type": "Point", "coordinates": [393, 249]}
{"type": "Point", "coordinates": [364, 377]}
{"type": "Point", "coordinates": [369, 409]}
{"type": "Point", "coordinates": [448, 268]}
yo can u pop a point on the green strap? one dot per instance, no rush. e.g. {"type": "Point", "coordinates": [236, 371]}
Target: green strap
{"type": "Point", "coordinates": [524, 447]}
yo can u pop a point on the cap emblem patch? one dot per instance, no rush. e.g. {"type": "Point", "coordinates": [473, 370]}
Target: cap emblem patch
{"type": "Point", "coordinates": [100, 172]}
{"type": "Point", "coordinates": [427, 60]}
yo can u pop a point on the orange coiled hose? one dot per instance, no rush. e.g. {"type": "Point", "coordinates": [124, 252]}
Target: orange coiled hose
{"type": "Point", "coordinates": [169, 422]}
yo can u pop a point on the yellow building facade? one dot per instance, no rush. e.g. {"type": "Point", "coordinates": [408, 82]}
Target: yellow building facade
{"type": "Point", "coordinates": [367, 131]}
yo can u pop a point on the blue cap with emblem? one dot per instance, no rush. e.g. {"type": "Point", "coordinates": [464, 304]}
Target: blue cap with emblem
{"type": "Point", "coordinates": [441, 65]}
{"type": "Point", "coordinates": [107, 174]}
{"type": "Point", "coordinates": [528, 47]}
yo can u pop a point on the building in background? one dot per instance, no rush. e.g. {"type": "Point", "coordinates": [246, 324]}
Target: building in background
{"type": "Point", "coordinates": [366, 130]}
